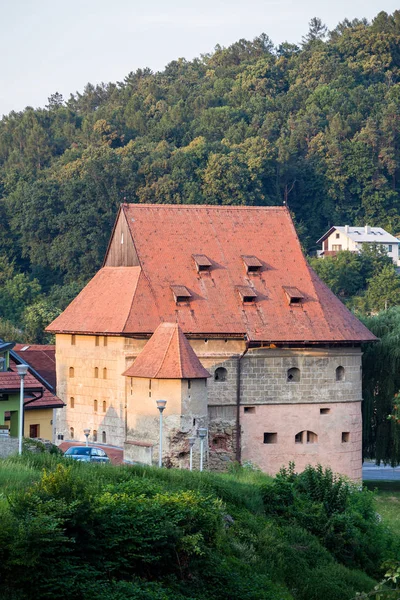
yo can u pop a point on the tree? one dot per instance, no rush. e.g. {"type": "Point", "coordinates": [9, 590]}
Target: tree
{"type": "Point", "coordinates": [383, 290]}
{"type": "Point", "coordinates": [381, 387]}
{"type": "Point", "coordinates": [317, 31]}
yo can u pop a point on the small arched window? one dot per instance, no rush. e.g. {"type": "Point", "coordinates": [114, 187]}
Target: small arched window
{"type": "Point", "coordinates": [104, 406]}
{"type": "Point", "coordinates": [340, 374]}
{"type": "Point", "coordinates": [71, 371]}
{"type": "Point", "coordinates": [220, 374]}
{"type": "Point", "coordinates": [96, 372]}
{"type": "Point", "coordinates": [293, 375]}
{"type": "Point", "coordinates": [72, 402]}
{"type": "Point", "coordinates": [306, 436]}
{"type": "Point", "coordinates": [95, 405]}
{"type": "Point", "coordinates": [104, 437]}
{"type": "Point", "coordinates": [95, 435]}
{"type": "Point", "coordinates": [104, 373]}
{"type": "Point", "coordinates": [71, 433]}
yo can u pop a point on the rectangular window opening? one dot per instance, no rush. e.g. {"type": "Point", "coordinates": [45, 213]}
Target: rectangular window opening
{"type": "Point", "coordinates": [181, 293]}
{"type": "Point", "coordinates": [345, 437]}
{"type": "Point", "coordinates": [293, 294]}
{"type": "Point", "coordinates": [252, 264]}
{"type": "Point", "coordinates": [270, 438]}
{"type": "Point", "coordinates": [247, 294]}
{"type": "Point", "coordinates": [202, 262]}
{"type": "Point", "coordinates": [249, 409]}
{"type": "Point", "coordinates": [324, 411]}
{"type": "Point", "coordinates": [73, 340]}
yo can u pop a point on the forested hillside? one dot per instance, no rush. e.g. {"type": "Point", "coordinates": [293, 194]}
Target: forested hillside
{"type": "Point", "coordinates": [316, 126]}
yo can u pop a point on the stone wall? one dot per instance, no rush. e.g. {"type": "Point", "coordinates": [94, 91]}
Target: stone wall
{"type": "Point", "coordinates": [8, 446]}
{"type": "Point", "coordinates": [264, 384]}
{"type": "Point", "coordinates": [265, 376]}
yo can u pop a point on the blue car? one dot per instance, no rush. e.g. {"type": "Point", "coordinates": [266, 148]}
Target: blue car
{"type": "Point", "coordinates": [87, 454]}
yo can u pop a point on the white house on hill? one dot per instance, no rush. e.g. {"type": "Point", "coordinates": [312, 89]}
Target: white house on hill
{"type": "Point", "coordinates": [354, 238]}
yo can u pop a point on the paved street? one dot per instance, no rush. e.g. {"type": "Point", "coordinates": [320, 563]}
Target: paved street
{"type": "Point", "coordinates": [371, 472]}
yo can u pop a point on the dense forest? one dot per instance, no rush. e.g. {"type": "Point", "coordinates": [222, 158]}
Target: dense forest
{"type": "Point", "coordinates": [316, 126]}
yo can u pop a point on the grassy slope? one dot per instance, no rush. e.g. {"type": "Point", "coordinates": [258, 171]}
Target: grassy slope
{"type": "Point", "coordinates": [286, 559]}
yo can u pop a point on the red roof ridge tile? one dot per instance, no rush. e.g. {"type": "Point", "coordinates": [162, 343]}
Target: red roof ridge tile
{"type": "Point", "coordinates": [200, 206]}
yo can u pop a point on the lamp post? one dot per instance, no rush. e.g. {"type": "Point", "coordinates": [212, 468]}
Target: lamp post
{"type": "Point", "coordinates": [22, 371]}
{"type": "Point", "coordinates": [87, 432]}
{"type": "Point", "coordinates": [191, 444]}
{"type": "Point", "coordinates": [202, 431]}
{"type": "Point", "coordinates": [161, 404]}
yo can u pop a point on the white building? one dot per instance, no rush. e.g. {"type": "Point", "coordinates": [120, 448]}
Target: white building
{"type": "Point", "coordinates": [354, 238]}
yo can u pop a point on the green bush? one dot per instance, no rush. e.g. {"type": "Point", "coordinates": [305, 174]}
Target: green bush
{"type": "Point", "coordinates": [90, 532]}
{"type": "Point", "coordinates": [335, 510]}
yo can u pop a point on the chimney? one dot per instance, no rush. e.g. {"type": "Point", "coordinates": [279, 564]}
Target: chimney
{"type": "Point", "coordinates": [346, 229]}
{"type": "Point", "coordinates": [367, 229]}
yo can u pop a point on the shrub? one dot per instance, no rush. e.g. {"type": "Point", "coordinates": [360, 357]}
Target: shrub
{"type": "Point", "coordinates": [335, 510]}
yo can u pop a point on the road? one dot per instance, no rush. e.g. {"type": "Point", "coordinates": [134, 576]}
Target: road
{"type": "Point", "coordinates": [371, 472]}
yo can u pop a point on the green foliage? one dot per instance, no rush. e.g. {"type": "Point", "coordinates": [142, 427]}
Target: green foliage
{"type": "Point", "coordinates": [381, 383]}
{"type": "Point", "coordinates": [84, 532]}
{"type": "Point", "coordinates": [316, 126]}
{"type": "Point", "coordinates": [334, 510]}
{"type": "Point", "coordinates": [367, 282]}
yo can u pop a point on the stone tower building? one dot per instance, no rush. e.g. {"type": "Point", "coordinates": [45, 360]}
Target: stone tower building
{"type": "Point", "coordinates": [283, 352]}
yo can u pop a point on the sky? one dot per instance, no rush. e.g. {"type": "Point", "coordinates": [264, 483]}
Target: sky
{"type": "Point", "coordinates": [49, 46]}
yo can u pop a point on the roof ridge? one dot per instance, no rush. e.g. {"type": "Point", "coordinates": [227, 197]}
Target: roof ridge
{"type": "Point", "coordinates": [209, 206]}
{"type": "Point", "coordinates": [177, 330]}
{"type": "Point", "coordinates": [166, 350]}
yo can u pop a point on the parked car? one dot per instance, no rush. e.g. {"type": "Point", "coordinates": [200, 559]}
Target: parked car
{"type": "Point", "coordinates": [87, 454]}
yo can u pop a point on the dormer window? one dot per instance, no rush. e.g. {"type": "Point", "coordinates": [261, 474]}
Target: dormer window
{"type": "Point", "coordinates": [252, 264]}
{"type": "Point", "coordinates": [181, 293]}
{"type": "Point", "coordinates": [247, 294]}
{"type": "Point", "coordinates": [294, 296]}
{"type": "Point", "coordinates": [202, 262]}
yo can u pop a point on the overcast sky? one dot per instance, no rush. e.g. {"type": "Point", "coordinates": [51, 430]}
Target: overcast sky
{"type": "Point", "coordinates": [54, 45]}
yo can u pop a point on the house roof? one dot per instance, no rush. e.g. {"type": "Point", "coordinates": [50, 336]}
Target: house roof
{"type": "Point", "coordinates": [10, 383]}
{"type": "Point", "coordinates": [134, 300]}
{"type": "Point", "coordinates": [42, 358]}
{"type": "Point", "coordinates": [373, 235]}
{"type": "Point", "coordinates": [167, 355]}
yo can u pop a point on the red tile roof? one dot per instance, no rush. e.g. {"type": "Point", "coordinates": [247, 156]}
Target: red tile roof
{"type": "Point", "coordinates": [10, 383]}
{"type": "Point", "coordinates": [41, 357]}
{"type": "Point", "coordinates": [104, 304]}
{"type": "Point", "coordinates": [167, 355]}
{"type": "Point", "coordinates": [134, 300]}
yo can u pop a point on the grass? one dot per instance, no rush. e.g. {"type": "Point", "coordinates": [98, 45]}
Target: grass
{"type": "Point", "coordinates": [387, 498]}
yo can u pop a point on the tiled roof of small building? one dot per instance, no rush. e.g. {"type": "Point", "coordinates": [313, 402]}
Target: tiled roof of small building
{"type": "Point", "coordinates": [41, 357]}
{"type": "Point", "coordinates": [10, 382]}
{"type": "Point", "coordinates": [136, 299]}
{"type": "Point", "coordinates": [167, 355]}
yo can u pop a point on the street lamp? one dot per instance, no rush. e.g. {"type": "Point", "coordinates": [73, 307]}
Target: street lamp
{"type": "Point", "coordinates": [202, 431]}
{"type": "Point", "coordinates": [87, 432]}
{"type": "Point", "coordinates": [191, 441]}
{"type": "Point", "coordinates": [161, 404]}
{"type": "Point", "coordinates": [22, 371]}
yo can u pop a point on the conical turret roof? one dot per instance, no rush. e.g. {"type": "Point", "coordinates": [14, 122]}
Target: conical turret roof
{"type": "Point", "coordinates": [167, 355]}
